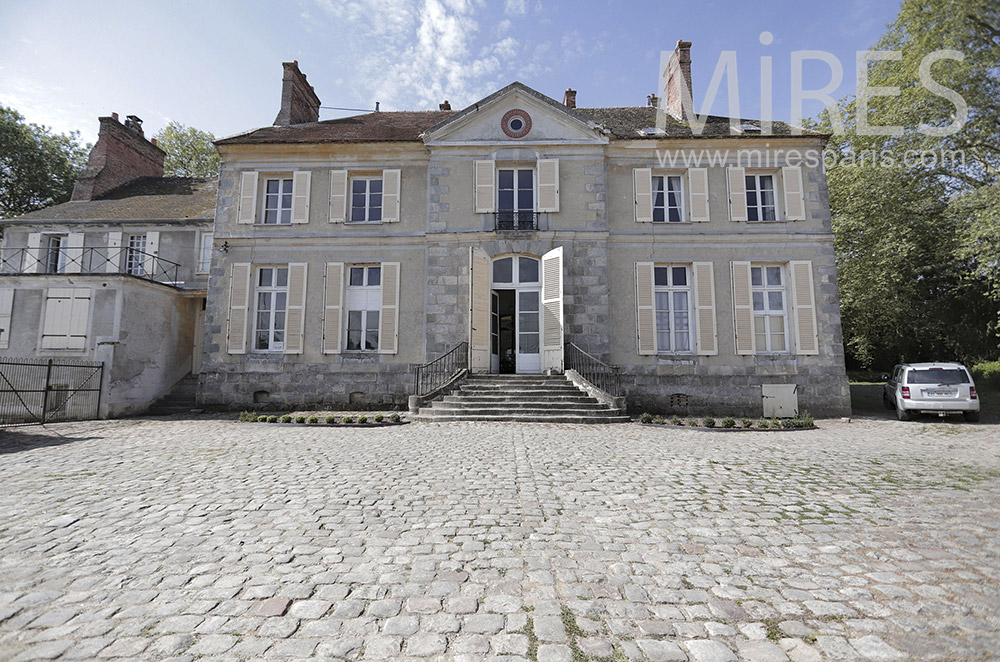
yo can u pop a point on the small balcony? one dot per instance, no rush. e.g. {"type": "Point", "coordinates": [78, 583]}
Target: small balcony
{"type": "Point", "coordinates": [75, 260]}
{"type": "Point", "coordinates": [516, 221]}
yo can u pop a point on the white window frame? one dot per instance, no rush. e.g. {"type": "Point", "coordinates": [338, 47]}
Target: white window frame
{"type": "Point", "coordinates": [368, 199]}
{"type": "Point", "coordinates": [759, 207]}
{"type": "Point", "coordinates": [282, 196]}
{"type": "Point", "coordinates": [365, 299]}
{"type": "Point", "coordinates": [274, 346]}
{"type": "Point", "coordinates": [662, 179]}
{"type": "Point", "coordinates": [204, 261]}
{"type": "Point", "coordinates": [61, 251]}
{"type": "Point", "coordinates": [766, 314]}
{"type": "Point", "coordinates": [534, 188]}
{"type": "Point", "coordinates": [671, 312]}
{"type": "Point", "coordinates": [135, 255]}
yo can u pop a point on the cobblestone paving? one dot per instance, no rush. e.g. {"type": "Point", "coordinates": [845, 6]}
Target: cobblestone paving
{"type": "Point", "coordinates": [208, 540]}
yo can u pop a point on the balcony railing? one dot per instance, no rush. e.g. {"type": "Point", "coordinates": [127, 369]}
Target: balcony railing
{"type": "Point", "coordinates": [516, 221]}
{"type": "Point", "coordinates": [77, 260]}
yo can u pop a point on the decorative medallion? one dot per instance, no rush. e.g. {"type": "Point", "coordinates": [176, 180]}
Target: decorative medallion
{"type": "Point", "coordinates": [516, 123]}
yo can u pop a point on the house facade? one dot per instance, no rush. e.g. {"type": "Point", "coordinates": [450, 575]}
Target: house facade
{"type": "Point", "coordinates": [699, 260]}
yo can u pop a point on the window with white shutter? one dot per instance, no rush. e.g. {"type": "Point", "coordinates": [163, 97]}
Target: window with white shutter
{"type": "Point", "coordinates": [67, 318]}
{"type": "Point", "coordinates": [736, 181]}
{"type": "Point", "coordinates": [484, 183]}
{"type": "Point", "coordinates": [704, 305]}
{"type": "Point", "coordinates": [6, 308]}
{"type": "Point", "coordinates": [645, 311]}
{"type": "Point", "coordinates": [804, 307]}
{"type": "Point", "coordinates": [390, 196]}
{"type": "Point", "coordinates": [642, 188]}
{"type": "Point", "coordinates": [338, 196]}
{"type": "Point", "coordinates": [333, 307]}
{"type": "Point", "coordinates": [239, 304]}
{"type": "Point", "coordinates": [388, 332]}
{"type": "Point", "coordinates": [248, 198]}
{"type": "Point", "coordinates": [296, 308]}
{"type": "Point", "coordinates": [548, 185]}
{"type": "Point", "coordinates": [743, 324]}
{"type": "Point", "coordinates": [301, 185]}
{"type": "Point", "coordinates": [791, 181]}
{"type": "Point", "coordinates": [698, 187]}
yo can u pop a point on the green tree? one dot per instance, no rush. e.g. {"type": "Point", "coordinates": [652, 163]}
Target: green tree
{"type": "Point", "coordinates": [190, 152]}
{"type": "Point", "coordinates": [37, 167]}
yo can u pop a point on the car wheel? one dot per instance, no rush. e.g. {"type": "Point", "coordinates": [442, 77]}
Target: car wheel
{"type": "Point", "coordinates": [972, 416]}
{"type": "Point", "coordinates": [903, 415]}
{"type": "Point", "coordinates": [886, 401]}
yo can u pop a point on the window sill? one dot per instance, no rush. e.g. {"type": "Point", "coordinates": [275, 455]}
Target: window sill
{"type": "Point", "coordinates": [364, 222]}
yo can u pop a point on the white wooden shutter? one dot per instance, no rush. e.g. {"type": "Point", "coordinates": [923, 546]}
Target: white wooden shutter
{"type": "Point", "coordinates": [239, 304]}
{"type": "Point", "coordinates": [390, 198]}
{"type": "Point", "coordinates": [642, 186]}
{"type": "Point", "coordinates": [113, 265]}
{"type": "Point", "coordinates": [33, 256]}
{"type": "Point", "coordinates": [333, 307]}
{"type": "Point", "coordinates": [248, 198]}
{"type": "Point", "coordinates": [804, 308]}
{"type": "Point", "coordinates": [338, 196]}
{"type": "Point", "coordinates": [485, 198]}
{"type": "Point", "coordinates": [552, 310]}
{"type": "Point", "coordinates": [6, 307]}
{"type": "Point", "coordinates": [645, 312]}
{"type": "Point", "coordinates": [74, 253]}
{"type": "Point", "coordinates": [795, 204]}
{"type": "Point", "coordinates": [736, 178]}
{"type": "Point", "coordinates": [67, 316]}
{"type": "Point", "coordinates": [743, 309]}
{"type": "Point", "coordinates": [301, 185]}
{"type": "Point", "coordinates": [295, 309]}
{"type": "Point", "coordinates": [698, 190]}
{"type": "Point", "coordinates": [79, 318]}
{"type": "Point", "coordinates": [704, 308]}
{"type": "Point", "coordinates": [388, 319]}
{"type": "Point", "coordinates": [548, 185]}
{"type": "Point", "coordinates": [150, 263]}
{"type": "Point", "coordinates": [479, 310]}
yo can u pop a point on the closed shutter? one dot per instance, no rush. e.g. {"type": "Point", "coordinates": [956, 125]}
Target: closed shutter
{"type": "Point", "coordinates": [67, 316]}
{"type": "Point", "coordinates": [248, 198]}
{"type": "Point", "coordinates": [743, 309]}
{"type": "Point", "coordinates": [295, 310]}
{"type": "Point", "coordinates": [704, 308]}
{"type": "Point", "coordinates": [33, 256]}
{"type": "Point", "coordinates": [390, 197]}
{"type": "Point", "coordinates": [552, 310]}
{"type": "Point", "coordinates": [388, 319]}
{"type": "Point", "coordinates": [485, 198]}
{"type": "Point", "coordinates": [6, 307]}
{"type": "Point", "coordinates": [698, 188]}
{"type": "Point", "coordinates": [795, 205]}
{"type": "Point", "coordinates": [74, 253]}
{"type": "Point", "coordinates": [645, 314]}
{"type": "Point", "coordinates": [333, 307]}
{"type": "Point", "coordinates": [338, 196]}
{"type": "Point", "coordinates": [804, 308]}
{"type": "Point", "coordinates": [239, 302]}
{"type": "Point", "coordinates": [642, 186]}
{"type": "Point", "coordinates": [548, 185]}
{"type": "Point", "coordinates": [479, 310]}
{"type": "Point", "coordinates": [301, 185]}
{"type": "Point", "coordinates": [737, 193]}
{"type": "Point", "coordinates": [150, 262]}
{"type": "Point", "coordinates": [113, 265]}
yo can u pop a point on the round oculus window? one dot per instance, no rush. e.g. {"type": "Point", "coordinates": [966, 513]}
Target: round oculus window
{"type": "Point", "coordinates": [516, 123]}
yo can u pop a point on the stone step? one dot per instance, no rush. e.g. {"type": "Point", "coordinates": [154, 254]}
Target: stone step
{"type": "Point", "coordinates": [520, 411]}
{"type": "Point", "coordinates": [523, 418]}
{"type": "Point", "coordinates": [485, 389]}
{"type": "Point", "coordinates": [525, 404]}
{"type": "Point", "coordinates": [579, 398]}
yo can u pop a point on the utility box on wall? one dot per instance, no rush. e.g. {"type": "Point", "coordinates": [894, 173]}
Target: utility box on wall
{"type": "Point", "coordinates": [780, 400]}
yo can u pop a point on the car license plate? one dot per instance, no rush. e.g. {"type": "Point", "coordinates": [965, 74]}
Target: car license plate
{"type": "Point", "coordinates": [940, 393]}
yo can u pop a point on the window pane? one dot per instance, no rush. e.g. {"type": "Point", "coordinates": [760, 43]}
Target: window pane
{"type": "Point", "coordinates": [761, 340]}
{"type": "Point", "coordinates": [752, 214]}
{"type": "Point", "coordinates": [286, 201]}
{"type": "Point", "coordinates": [279, 303]}
{"type": "Point", "coordinates": [505, 201]}
{"type": "Point", "coordinates": [681, 321]}
{"type": "Point", "coordinates": [769, 214]}
{"type": "Point", "coordinates": [680, 301]}
{"type": "Point", "coordinates": [682, 341]}
{"type": "Point", "coordinates": [660, 276]}
{"type": "Point", "coordinates": [371, 320]}
{"type": "Point", "coordinates": [375, 213]}
{"type": "Point", "coordinates": [262, 340]}
{"type": "Point", "coordinates": [662, 321]}
{"type": "Point", "coordinates": [663, 300]}
{"type": "Point", "coordinates": [675, 215]}
{"type": "Point", "coordinates": [527, 270]}
{"type": "Point", "coordinates": [759, 324]}
{"type": "Point", "coordinates": [272, 186]}
{"type": "Point", "coordinates": [756, 277]}
{"type": "Point", "coordinates": [758, 301]}
{"type": "Point", "coordinates": [357, 214]}
{"type": "Point", "coordinates": [358, 186]}
{"type": "Point", "coordinates": [526, 200]}
{"type": "Point", "coordinates": [506, 179]}
{"type": "Point", "coordinates": [354, 319]}
{"type": "Point", "coordinates": [528, 323]}
{"type": "Point", "coordinates": [286, 216]}
{"type": "Point", "coordinates": [663, 341]}
{"type": "Point", "coordinates": [263, 320]}
{"type": "Point", "coordinates": [679, 275]}
{"type": "Point", "coordinates": [374, 276]}
{"type": "Point", "coordinates": [778, 342]}
{"type": "Point", "coordinates": [751, 183]}
{"type": "Point", "coordinates": [766, 183]}
{"type": "Point", "coordinates": [529, 301]}
{"type": "Point", "coordinates": [354, 339]}
{"type": "Point", "coordinates": [286, 186]}
{"type": "Point", "coordinates": [525, 179]}
{"type": "Point", "coordinates": [674, 184]}
{"type": "Point", "coordinates": [375, 185]}
{"type": "Point", "coordinates": [264, 278]}
{"type": "Point", "coordinates": [774, 301]}
{"type": "Point", "coordinates": [279, 321]}
{"type": "Point", "coordinates": [270, 216]}
{"type": "Point", "coordinates": [658, 214]}
{"type": "Point", "coordinates": [282, 275]}
{"type": "Point", "coordinates": [371, 340]}
{"type": "Point", "coordinates": [357, 276]}
{"type": "Point", "coordinates": [503, 270]}
{"type": "Point", "coordinates": [774, 275]}
{"type": "Point", "coordinates": [528, 343]}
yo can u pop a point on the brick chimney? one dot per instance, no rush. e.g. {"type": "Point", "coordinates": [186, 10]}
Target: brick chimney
{"type": "Point", "coordinates": [678, 80]}
{"type": "Point", "coordinates": [299, 103]}
{"type": "Point", "coordinates": [653, 101]}
{"type": "Point", "coordinates": [569, 99]}
{"type": "Point", "coordinates": [444, 106]}
{"type": "Point", "coordinates": [120, 155]}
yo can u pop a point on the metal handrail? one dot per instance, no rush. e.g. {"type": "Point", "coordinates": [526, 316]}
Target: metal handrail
{"type": "Point", "coordinates": [91, 260]}
{"type": "Point", "coordinates": [436, 373]}
{"type": "Point", "coordinates": [516, 220]}
{"type": "Point", "coordinates": [602, 375]}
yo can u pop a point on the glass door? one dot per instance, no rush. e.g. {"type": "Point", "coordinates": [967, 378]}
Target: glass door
{"type": "Point", "coordinates": [529, 359]}
{"type": "Point", "coordinates": [494, 332]}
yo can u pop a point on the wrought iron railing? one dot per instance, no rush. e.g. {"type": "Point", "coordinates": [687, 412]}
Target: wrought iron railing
{"type": "Point", "coordinates": [516, 221]}
{"type": "Point", "coordinates": [603, 376]}
{"type": "Point", "coordinates": [434, 375]}
{"type": "Point", "coordinates": [79, 260]}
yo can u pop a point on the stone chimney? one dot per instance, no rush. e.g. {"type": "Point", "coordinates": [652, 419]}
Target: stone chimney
{"type": "Point", "coordinates": [653, 101]}
{"type": "Point", "coordinates": [444, 106]}
{"type": "Point", "coordinates": [120, 155]}
{"type": "Point", "coordinates": [677, 77]}
{"type": "Point", "coordinates": [299, 103]}
{"type": "Point", "coordinates": [569, 99]}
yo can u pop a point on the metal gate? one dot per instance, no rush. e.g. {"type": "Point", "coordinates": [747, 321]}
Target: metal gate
{"type": "Point", "coordinates": [39, 391]}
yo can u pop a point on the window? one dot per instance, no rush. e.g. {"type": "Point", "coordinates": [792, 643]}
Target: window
{"type": "Point", "coordinates": [135, 255]}
{"type": "Point", "coordinates": [668, 199]}
{"type": "Point", "coordinates": [504, 271]}
{"type": "Point", "coordinates": [938, 376]}
{"type": "Point", "coordinates": [364, 303]}
{"type": "Point", "coordinates": [55, 254]}
{"type": "Point", "coordinates": [277, 202]}
{"type": "Point", "coordinates": [366, 200]}
{"type": "Point", "coordinates": [516, 190]}
{"type": "Point", "coordinates": [672, 290]}
{"type": "Point", "coordinates": [67, 318]}
{"type": "Point", "coordinates": [272, 301]}
{"type": "Point", "coordinates": [205, 252]}
{"type": "Point", "coordinates": [760, 198]}
{"type": "Point", "coordinates": [770, 322]}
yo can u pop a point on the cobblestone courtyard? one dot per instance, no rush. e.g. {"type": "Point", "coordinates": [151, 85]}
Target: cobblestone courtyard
{"type": "Point", "coordinates": [203, 539]}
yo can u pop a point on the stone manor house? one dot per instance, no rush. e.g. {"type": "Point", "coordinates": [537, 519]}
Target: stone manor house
{"type": "Point", "coordinates": [343, 253]}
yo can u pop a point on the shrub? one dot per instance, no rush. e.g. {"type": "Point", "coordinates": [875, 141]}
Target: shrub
{"type": "Point", "coordinates": [347, 419]}
{"type": "Point", "coordinates": [986, 373]}
{"type": "Point", "coordinates": [692, 422]}
{"type": "Point", "coordinates": [362, 419]}
{"type": "Point", "coordinates": [658, 420]}
{"type": "Point", "coordinates": [272, 419]}
{"type": "Point", "coordinates": [807, 420]}
{"type": "Point", "coordinates": [728, 422]}
{"type": "Point", "coordinates": [394, 418]}
{"type": "Point", "coordinates": [330, 420]}
{"type": "Point", "coordinates": [379, 418]}
{"type": "Point", "coordinates": [775, 422]}
{"type": "Point", "coordinates": [300, 419]}
{"type": "Point", "coordinates": [313, 419]}
{"type": "Point", "coordinates": [763, 424]}
{"type": "Point", "coordinates": [286, 419]}
{"type": "Point", "coordinates": [708, 422]}
{"type": "Point", "coordinates": [262, 418]}
{"type": "Point", "coordinates": [645, 417]}
{"type": "Point", "coordinates": [747, 422]}
{"type": "Point", "coordinates": [247, 417]}
{"type": "Point", "coordinates": [676, 420]}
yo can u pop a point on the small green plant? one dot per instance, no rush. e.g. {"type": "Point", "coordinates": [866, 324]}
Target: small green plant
{"type": "Point", "coordinates": [645, 417]}
{"type": "Point", "coordinates": [747, 422]}
{"type": "Point", "coordinates": [262, 418]}
{"type": "Point", "coordinates": [272, 419]}
{"type": "Point", "coordinates": [807, 420]}
{"type": "Point", "coordinates": [247, 416]}
{"type": "Point", "coordinates": [379, 418]}
{"type": "Point", "coordinates": [362, 419]}
{"type": "Point", "coordinates": [763, 424]}
{"type": "Point", "coordinates": [300, 419]}
{"type": "Point", "coordinates": [348, 419]}
{"type": "Point", "coordinates": [313, 419]}
{"type": "Point", "coordinates": [708, 422]}
{"type": "Point", "coordinates": [286, 418]}
{"type": "Point", "coordinates": [394, 418]}
{"type": "Point", "coordinates": [775, 422]}
{"type": "Point", "coordinates": [331, 420]}
{"type": "Point", "coordinates": [676, 420]}
{"type": "Point", "coordinates": [728, 422]}
{"type": "Point", "coordinates": [659, 420]}
{"type": "Point", "coordinates": [692, 422]}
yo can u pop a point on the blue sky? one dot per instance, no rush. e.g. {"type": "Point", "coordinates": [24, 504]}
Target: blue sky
{"type": "Point", "coordinates": [216, 65]}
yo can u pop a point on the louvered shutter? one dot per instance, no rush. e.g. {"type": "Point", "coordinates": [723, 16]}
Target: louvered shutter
{"type": "Point", "coordinates": [248, 198]}
{"type": "Point", "coordinates": [74, 253]}
{"type": "Point", "coordinates": [645, 313]}
{"type": "Point", "coordinates": [6, 307]}
{"type": "Point", "coordinates": [333, 307]}
{"type": "Point", "coordinates": [743, 309]}
{"type": "Point", "coordinates": [295, 309]}
{"type": "Point", "coordinates": [33, 256]}
{"type": "Point", "coordinates": [338, 196]}
{"type": "Point", "coordinates": [67, 316]}
{"type": "Point", "coordinates": [239, 304]}
{"type": "Point", "coordinates": [804, 308]}
{"type": "Point", "coordinates": [548, 185]}
{"type": "Point", "coordinates": [79, 319]}
{"type": "Point", "coordinates": [388, 319]}
{"type": "Point", "coordinates": [113, 265]}
{"type": "Point", "coordinates": [479, 312]}
{"type": "Point", "coordinates": [698, 189]}
{"type": "Point", "coordinates": [642, 186]}
{"type": "Point", "coordinates": [552, 310]}
{"type": "Point", "coordinates": [485, 181]}
{"type": "Point", "coordinates": [390, 196]}
{"type": "Point", "coordinates": [795, 204]}
{"type": "Point", "coordinates": [704, 308]}
{"type": "Point", "coordinates": [737, 182]}
{"type": "Point", "coordinates": [150, 263]}
{"type": "Point", "coordinates": [301, 186]}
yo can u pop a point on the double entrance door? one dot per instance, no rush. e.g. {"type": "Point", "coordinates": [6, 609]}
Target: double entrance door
{"type": "Point", "coordinates": [515, 331]}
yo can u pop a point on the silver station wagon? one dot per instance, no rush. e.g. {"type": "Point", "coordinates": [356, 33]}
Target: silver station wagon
{"type": "Point", "coordinates": [931, 388]}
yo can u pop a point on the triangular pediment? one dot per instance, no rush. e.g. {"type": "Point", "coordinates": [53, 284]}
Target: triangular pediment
{"type": "Point", "coordinates": [515, 114]}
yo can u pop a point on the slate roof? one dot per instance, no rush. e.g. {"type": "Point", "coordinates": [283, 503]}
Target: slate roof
{"type": "Point", "coordinates": [142, 199]}
{"type": "Point", "coordinates": [399, 126]}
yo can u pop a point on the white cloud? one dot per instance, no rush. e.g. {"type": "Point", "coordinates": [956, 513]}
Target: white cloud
{"type": "Point", "coordinates": [515, 7]}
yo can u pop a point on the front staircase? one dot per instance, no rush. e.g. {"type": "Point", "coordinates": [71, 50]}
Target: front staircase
{"type": "Point", "coordinates": [181, 399]}
{"type": "Point", "coordinates": [522, 399]}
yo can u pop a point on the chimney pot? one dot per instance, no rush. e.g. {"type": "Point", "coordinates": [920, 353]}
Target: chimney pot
{"type": "Point", "coordinates": [653, 101]}
{"type": "Point", "coordinates": [569, 99]}
{"type": "Point", "coordinates": [114, 116]}
{"type": "Point", "coordinates": [444, 106]}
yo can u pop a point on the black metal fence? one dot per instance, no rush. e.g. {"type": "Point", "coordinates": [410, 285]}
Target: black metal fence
{"type": "Point", "coordinates": [603, 376]}
{"type": "Point", "coordinates": [435, 374]}
{"type": "Point", "coordinates": [39, 391]}
{"type": "Point", "coordinates": [516, 221]}
{"type": "Point", "coordinates": [78, 260]}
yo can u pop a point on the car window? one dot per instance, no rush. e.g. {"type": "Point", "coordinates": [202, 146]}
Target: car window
{"type": "Point", "coordinates": [938, 376]}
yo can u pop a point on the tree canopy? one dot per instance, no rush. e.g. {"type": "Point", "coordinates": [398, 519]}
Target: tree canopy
{"type": "Point", "coordinates": [190, 152]}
